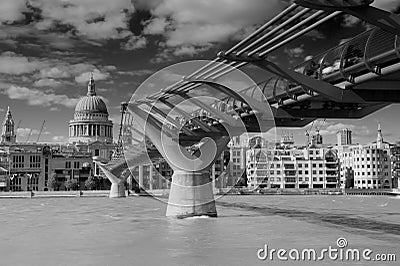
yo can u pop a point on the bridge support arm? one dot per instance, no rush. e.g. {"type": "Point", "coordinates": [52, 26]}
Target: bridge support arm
{"type": "Point", "coordinates": [321, 87]}
{"type": "Point", "coordinates": [118, 189]}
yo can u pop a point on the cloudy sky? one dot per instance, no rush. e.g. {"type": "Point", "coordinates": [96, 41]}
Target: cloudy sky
{"type": "Point", "coordinates": [49, 47]}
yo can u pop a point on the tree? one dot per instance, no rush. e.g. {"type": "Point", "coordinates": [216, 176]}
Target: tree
{"type": "Point", "coordinates": [72, 184]}
{"type": "Point", "coordinates": [91, 183]}
{"type": "Point", "coordinates": [52, 183]}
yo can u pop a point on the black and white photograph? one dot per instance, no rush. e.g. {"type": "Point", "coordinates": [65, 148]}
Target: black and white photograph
{"type": "Point", "coordinates": [199, 132]}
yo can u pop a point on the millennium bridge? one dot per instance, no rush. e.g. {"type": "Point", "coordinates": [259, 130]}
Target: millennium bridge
{"type": "Point", "coordinates": [351, 80]}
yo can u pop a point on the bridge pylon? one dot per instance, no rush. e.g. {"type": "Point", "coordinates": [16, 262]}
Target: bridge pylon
{"type": "Point", "coordinates": [191, 192]}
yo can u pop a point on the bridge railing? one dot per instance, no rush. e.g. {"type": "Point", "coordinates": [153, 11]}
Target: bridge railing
{"type": "Point", "coordinates": [367, 52]}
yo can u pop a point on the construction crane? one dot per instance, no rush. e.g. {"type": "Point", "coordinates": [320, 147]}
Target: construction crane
{"type": "Point", "coordinates": [19, 123]}
{"type": "Point", "coordinates": [317, 129]}
{"type": "Point", "coordinates": [308, 133]}
{"type": "Point", "coordinates": [40, 131]}
{"type": "Point", "coordinates": [317, 139]}
{"type": "Point", "coordinates": [124, 107]}
{"type": "Point", "coordinates": [29, 135]}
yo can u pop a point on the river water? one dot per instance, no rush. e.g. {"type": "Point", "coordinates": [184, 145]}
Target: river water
{"type": "Point", "coordinates": [134, 230]}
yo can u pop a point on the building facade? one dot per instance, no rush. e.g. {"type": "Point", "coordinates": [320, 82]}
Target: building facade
{"type": "Point", "coordinates": [91, 131]}
{"type": "Point", "coordinates": [30, 166]}
{"type": "Point", "coordinates": [395, 164]}
{"type": "Point", "coordinates": [344, 137]}
{"type": "Point", "coordinates": [366, 166]}
{"type": "Point", "coordinates": [290, 167]}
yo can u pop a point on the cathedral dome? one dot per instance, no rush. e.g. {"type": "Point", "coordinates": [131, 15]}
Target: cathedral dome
{"type": "Point", "coordinates": [90, 123]}
{"type": "Point", "coordinates": [91, 103]}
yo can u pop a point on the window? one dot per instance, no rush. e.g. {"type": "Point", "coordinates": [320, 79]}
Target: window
{"type": "Point", "coordinates": [314, 165]}
{"type": "Point", "coordinates": [76, 165]}
{"type": "Point", "coordinates": [18, 161]}
{"type": "Point", "coordinates": [67, 165]}
{"type": "Point", "coordinates": [34, 161]}
{"type": "Point", "coordinates": [96, 152]}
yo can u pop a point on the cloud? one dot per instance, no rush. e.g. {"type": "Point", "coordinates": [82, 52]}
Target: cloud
{"type": "Point", "coordinates": [190, 50]}
{"type": "Point", "coordinates": [58, 138]}
{"type": "Point", "coordinates": [54, 72]}
{"type": "Point", "coordinates": [296, 52]}
{"type": "Point", "coordinates": [97, 75]}
{"type": "Point", "coordinates": [46, 82]}
{"type": "Point", "coordinates": [48, 72]}
{"type": "Point", "coordinates": [11, 63]}
{"type": "Point", "coordinates": [92, 19]}
{"type": "Point", "coordinates": [134, 43]}
{"type": "Point", "coordinates": [141, 72]}
{"type": "Point", "coordinates": [350, 21]}
{"type": "Point", "coordinates": [23, 132]}
{"type": "Point", "coordinates": [315, 35]}
{"type": "Point", "coordinates": [333, 128]}
{"type": "Point", "coordinates": [80, 71]}
{"type": "Point", "coordinates": [189, 25]}
{"type": "Point", "coordinates": [156, 26]}
{"type": "Point", "coordinates": [36, 97]}
{"type": "Point", "coordinates": [388, 5]}
{"type": "Point", "coordinates": [61, 69]}
{"type": "Point", "coordinates": [11, 10]}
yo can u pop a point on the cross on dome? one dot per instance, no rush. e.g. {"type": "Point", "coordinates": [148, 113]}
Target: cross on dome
{"type": "Point", "coordinates": [91, 86]}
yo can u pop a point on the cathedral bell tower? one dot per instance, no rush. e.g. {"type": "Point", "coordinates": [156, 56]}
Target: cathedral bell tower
{"type": "Point", "coordinates": [8, 135]}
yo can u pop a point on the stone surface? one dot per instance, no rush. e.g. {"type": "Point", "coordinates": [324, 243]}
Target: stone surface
{"type": "Point", "coordinates": [117, 190]}
{"type": "Point", "coordinates": [191, 194]}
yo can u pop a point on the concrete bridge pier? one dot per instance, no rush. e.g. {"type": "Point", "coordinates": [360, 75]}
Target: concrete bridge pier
{"type": "Point", "coordinates": [191, 194]}
{"type": "Point", "coordinates": [117, 190]}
